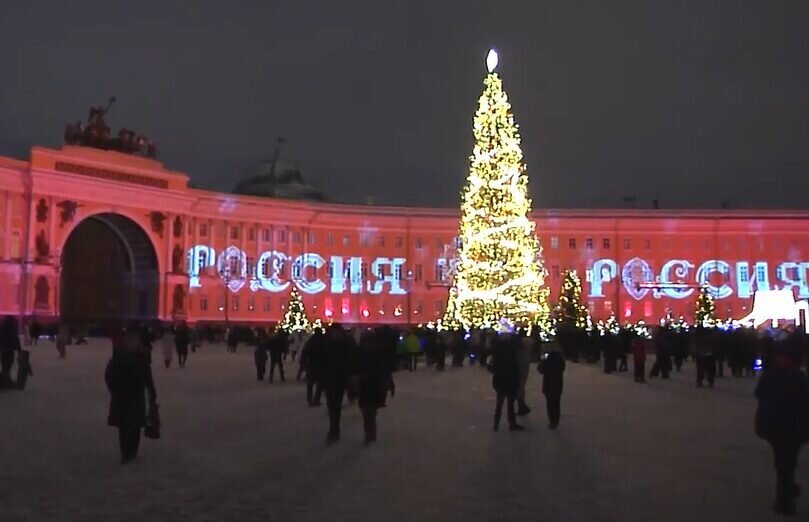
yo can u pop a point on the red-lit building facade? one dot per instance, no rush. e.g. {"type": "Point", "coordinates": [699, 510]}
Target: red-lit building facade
{"type": "Point", "coordinates": [88, 234]}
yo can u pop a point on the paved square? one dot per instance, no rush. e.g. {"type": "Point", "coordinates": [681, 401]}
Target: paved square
{"type": "Point", "coordinates": [234, 449]}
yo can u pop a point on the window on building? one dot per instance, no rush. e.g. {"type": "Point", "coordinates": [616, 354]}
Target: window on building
{"type": "Point", "coordinates": [418, 272]}
{"type": "Point", "coordinates": [647, 309]}
{"type": "Point", "coordinates": [605, 243]}
{"type": "Point", "coordinates": [666, 244]}
{"type": "Point", "coordinates": [398, 241]}
{"type": "Point", "coordinates": [283, 303]}
{"type": "Point", "coordinates": [418, 242]}
{"type": "Point", "coordinates": [364, 270]}
{"type": "Point", "coordinates": [265, 270]}
{"type": "Point", "coordinates": [202, 255]}
{"type": "Point", "coordinates": [282, 235]}
{"type": "Point", "coordinates": [439, 307]}
{"type": "Point", "coordinates": [554, 242]}
{"type": "Point", "coordinates": [311, 237]}
{"type": "Point", "coordinates": [439, 271]}
{"type": "Point", "coordinates": [439, 245]}
{"type": "Point", "coordinates": [761, 272]}
{"type": "Point", "coordinates": [296, 270]}
{"type": "Point", "coordinates": [251, 234]}
{"type": "Point", "coordinates": [265, 234]}
{"type": "Point", "coordinates": [571, 243]}
{"type": "Point", "coordinates": [267, 304]}
{"type": "Point", "coordinates": [203, 303]}
{"type": "Point", "coordinates": [14, 247]}
{"type": "Point", "coordinates": [346, 240]}
{"type": "Point", "coordinates": [329, 239]}
{"type": "Point", "coordinates": [203, 229]}
{"type": "Point", "coordinates": [234, 232]}
{"type": "Point", "coordinates": [380, 240]}
{"type": "Point", "coordinates": [647, 244]}
{"type": "Point", "coordinates": [234, 303]}
{"type": "Point", "coordinates": [380, 271]}
{"type": "Point", "coordinates": [398, 273]}
{"type": "Point", "coordinates": [588, 243]}
{"type": "Point", "coordinates": [330, 269]}
{"type": "Point", "coordinates": [250, 263]}
{"type": "Point", "coordinates": [364, 239]}
{"type": "Point", "coordinates": [627, 244]}
{"type": "Point", "coordinates": [608, 305]}
{"type": "Point", "coordinates": [251, 304]}
{"type": "Point", "coordinates": [744, 274]}
{"type": "Point", "coordinates": [296, 237]}
{"type": "Point", "coordinates": [419, 307]}
{"type": "Point", "coordinates": [555, 272]}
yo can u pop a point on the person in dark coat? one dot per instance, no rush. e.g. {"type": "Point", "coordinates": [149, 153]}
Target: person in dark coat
{"type": "Point", "coordinates": [260, 354]}
{"type": "Point", "coordinates": [374, 378]}
{"type": "Point", "coordinates": [278, 346]}
{"type": "Point", "coordinates": [9, 347]}
{"type": "Point", "coordinates": [505, 378]}
{"type": "Point", "coordinates": [552, 368]}
{"type": "Point", "coordinates": [639, 359]}
{"type": "Point", "coordinates": [782, 419]}
{"type": "Point", "coordinates": [311, 363]}
{"type": "Point", "coordinates": [338, 364]}
{"type": "Point", "coordinates": [182, 338]}
{"type": "Point", "coordinates": [129, 380]}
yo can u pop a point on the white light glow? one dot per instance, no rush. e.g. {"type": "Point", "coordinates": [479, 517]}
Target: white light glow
{"type": "Point", "coordinates": [491, 60]}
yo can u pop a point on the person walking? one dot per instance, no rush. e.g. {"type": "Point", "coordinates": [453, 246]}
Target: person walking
{"type": "Point", "coordinates": [182, 339]}
{"type": "Point", "coordinates": [525, 346]}
{"type": "Point", "coordinates": [338, 361]}
{"type": "Point", "coordinates": [9, 347]}
{"type": "Point", "coordinates": [260, 354]}
{"type": "Point", "coordinates": [505, 378]}
{"type": "Point", "coordinates": [412, 348]}
{"type": "Point", "coordinates": [782, 419]}
{"type": "Point", "coordinates": [374, 378]}
{"type": "Point", "coordinates": [552, 368]}
{"type": "Point", "coordinates": [129, 380]}
{"type": "Point", "coordinates": [167, 346]}
{"type": "Point", "coordinates": [311, 363]}
{"type": "Point", "coordinates": [63, 339]}
{"type": "Point", "coordinates": [639, 359]}
{"type": "Point", "coordinates": [278, 347]}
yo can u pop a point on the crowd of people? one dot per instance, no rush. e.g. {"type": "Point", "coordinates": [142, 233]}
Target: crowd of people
{"type": "Point", "coordinates": [359, 364]}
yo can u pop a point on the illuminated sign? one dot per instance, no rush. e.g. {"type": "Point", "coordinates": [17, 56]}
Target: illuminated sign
{"type": "Point", "coordinates": [674, 274]}
{"type": "Point", "coordinates": [268, 274]}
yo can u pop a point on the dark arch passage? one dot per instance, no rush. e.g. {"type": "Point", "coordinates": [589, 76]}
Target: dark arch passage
{"type": "Point", "coordinates": [109, 272]}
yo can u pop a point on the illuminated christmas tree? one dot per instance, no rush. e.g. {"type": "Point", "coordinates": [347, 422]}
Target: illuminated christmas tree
{"type": "Point", "coordinates": [571, 312]}
{"type": "Point", "coordinates": [450, 320]}
{"type": "Point", "coordinates": [295, 317]}
{"type": "Point", "coordinates": [705, 313]}
{"type": "Point", "coordinates": [500, 274]}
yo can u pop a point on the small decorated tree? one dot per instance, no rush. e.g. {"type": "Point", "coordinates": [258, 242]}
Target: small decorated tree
{"type": "Point", "coordinates": [572, 313]}
{"type": "Point", "coordinates": [705, 312]}
{"type": "Point", "coordinates": [295, 319]}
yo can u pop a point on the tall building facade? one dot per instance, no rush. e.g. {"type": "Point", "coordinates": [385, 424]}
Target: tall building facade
{"type": "Point", "coordinates": [90, 235]}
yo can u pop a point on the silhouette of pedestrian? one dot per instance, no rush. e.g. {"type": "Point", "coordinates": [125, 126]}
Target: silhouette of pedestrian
{"type": "Point", "coordinates": [782, 419]}
{"type": "Point", "coordinates": [373, 381]}
{"type": "Point", "coordinates": [552, 368]}
{"type": "Point", "coordinates": [129, 380]}
{"type": "Point", "coordinates": [505, 378]}
{"type": "Point", "coordinates": [338, 364]}
{"type": "Point", "coordinates": [9, 347]}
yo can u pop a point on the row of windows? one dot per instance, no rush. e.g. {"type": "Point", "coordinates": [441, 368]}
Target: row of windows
{"type": "Point", "coordinates": [665, 243]}
{"type": "Point", "coordinates": [297, 237]}
{"type": "Point", "coordinates": [234, 304]}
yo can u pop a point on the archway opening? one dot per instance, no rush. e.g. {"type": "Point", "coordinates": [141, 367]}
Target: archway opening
{"type": "Point", "coordinates": [109, 272]}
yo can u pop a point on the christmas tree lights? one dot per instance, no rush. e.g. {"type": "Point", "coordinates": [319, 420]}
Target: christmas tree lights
{"type": "Point", "coordinates": [705, 313]}
{"type": "Point", "coordinates": [500, 274]}
{"type": "Point", "coordinates": [295, 319]}
{"type": "Point", "coordinates": [571, 312]}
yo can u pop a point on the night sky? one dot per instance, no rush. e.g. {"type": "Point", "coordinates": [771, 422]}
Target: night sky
{"type": "Point", "coordinates": [689, 101]}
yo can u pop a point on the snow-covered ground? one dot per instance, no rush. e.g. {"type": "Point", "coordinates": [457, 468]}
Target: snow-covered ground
{"type": "Point", "coordinates": [234, 449]}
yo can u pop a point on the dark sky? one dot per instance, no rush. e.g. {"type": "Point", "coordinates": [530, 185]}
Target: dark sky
{"type": "Point", "coordinates": [689, 101]}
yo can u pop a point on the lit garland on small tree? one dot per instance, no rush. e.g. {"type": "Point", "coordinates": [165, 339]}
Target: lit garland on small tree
{"type": "Point", "coordinates": [500, 274]}
{"type": "Point", "coordinates": [450, 320]}
{"type": "Point", "coordinates": [705, 313]}
{"type": "Point", "coordinates": [295, 319]}
{"type": "Point", "coordinates": [571, 312]}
